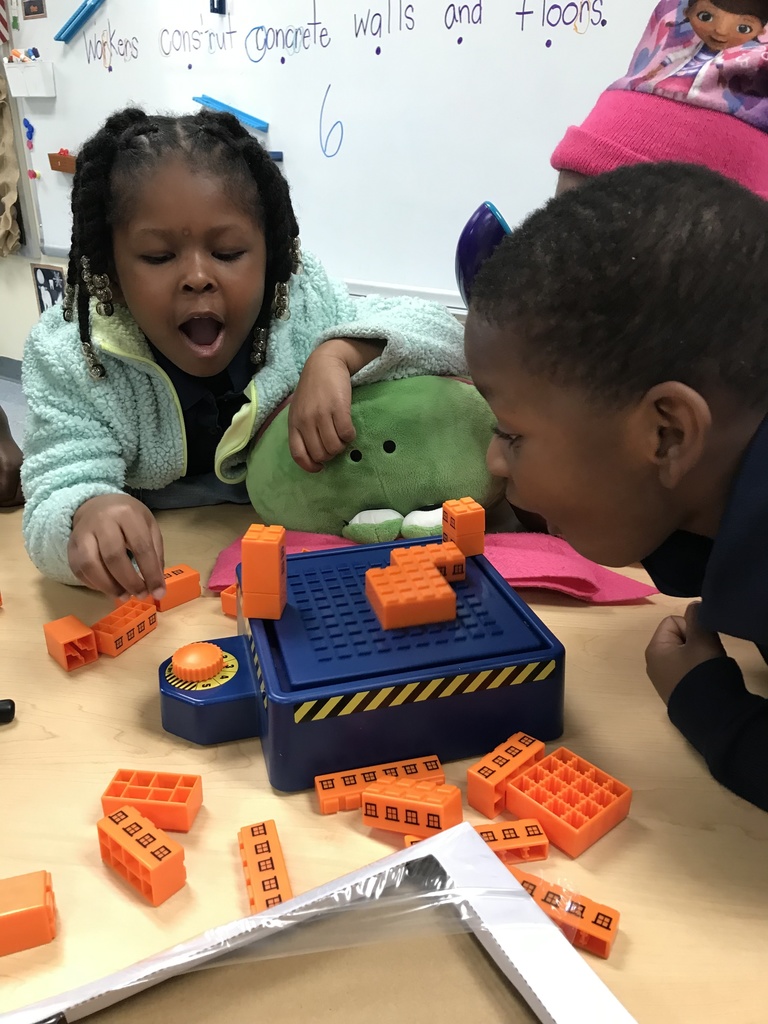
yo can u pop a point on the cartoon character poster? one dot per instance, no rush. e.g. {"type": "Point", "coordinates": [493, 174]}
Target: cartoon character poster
{"type": "Point", "coordinates": [711, 53]}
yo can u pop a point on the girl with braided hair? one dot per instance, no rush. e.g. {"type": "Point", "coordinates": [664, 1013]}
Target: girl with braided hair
{"type": "Point", "coordinates": [190, 315]}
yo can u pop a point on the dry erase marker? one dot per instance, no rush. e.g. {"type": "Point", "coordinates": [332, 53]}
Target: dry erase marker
{"type": "Point", "coordinates": [83, 14]}
{"type": "Point", "coordinates": [246, 119]}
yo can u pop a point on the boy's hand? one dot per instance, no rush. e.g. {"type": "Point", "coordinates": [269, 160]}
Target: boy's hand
{"type": "Point", "coordinates": [679, 645]}
{"type": "Point", "coordinates": [320, 419]}
{"type": "Point", "coordinates": [104, 530]}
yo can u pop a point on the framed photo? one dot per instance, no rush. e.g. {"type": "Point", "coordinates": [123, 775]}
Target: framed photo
{"type": "Point", "coordinates": [34, 9]}
{"type": "Point", "coordinates": [49, 285]}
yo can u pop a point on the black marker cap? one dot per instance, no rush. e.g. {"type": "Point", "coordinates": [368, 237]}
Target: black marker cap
{"type": "Point", "coordinates": [7, 711]}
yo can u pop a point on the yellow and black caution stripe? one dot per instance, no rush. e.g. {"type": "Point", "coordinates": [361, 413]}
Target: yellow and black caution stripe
{"type": "Point", "coordinates": [257, 665]}
{"type": "Point", "coordinates": [413, 693]}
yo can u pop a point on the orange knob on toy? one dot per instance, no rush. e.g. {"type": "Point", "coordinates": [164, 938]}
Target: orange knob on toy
{"type": "Point", "coordinates": [197, 662]}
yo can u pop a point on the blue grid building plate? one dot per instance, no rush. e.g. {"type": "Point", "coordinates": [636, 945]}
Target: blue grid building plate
{"type": "Point", "coordinates": [329, 633]}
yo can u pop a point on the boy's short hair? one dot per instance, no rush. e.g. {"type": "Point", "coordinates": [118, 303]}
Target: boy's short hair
{"type": "Point", "coordinates": [646, 274]}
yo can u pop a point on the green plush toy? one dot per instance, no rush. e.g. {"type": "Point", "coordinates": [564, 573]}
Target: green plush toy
{"type": "Point", "coordinates": [420, 441]}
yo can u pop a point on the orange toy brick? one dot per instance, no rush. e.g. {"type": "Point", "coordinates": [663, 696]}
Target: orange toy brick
{"type": "Point", "coordinates": [127, 625]}
{"type": "Point", "coordinates": [263, 606]}
{"type": "Point", "coordinates": [515, 842]}
{"type": "Point", "coordinates": [27, 912]}
{"type": "Point", "coordinates": [263, 560]}
{"type": "Point", "coordinates": [70, 642]}
{"type": "Point", "coordinates": [464, 524]}
{"type": "Point", "coordinates": [575, 802]}
{"type": "Point", "coordinates": [586, 924]}
{"type": "Point", "coordinates": [411, 596]}
{"type": "Point", "coordinates": [182, 584]}
{"type": "Point", "coordinates": [142, 854]}
{"type": "Point", "coordinates": [487, 780]}
{"type": "Point", "coordinates": [229, 601]}
{"type": "Point", "coordinates": [447, 558]}
{"type": "Point", "coordinates": [169, 801]}
{"type": "Point", "coordinates": [419, 808]}
{"type": "Point", "coordinates": [343, 791]}
{"type": "Point", "coordinates": [266, 878]}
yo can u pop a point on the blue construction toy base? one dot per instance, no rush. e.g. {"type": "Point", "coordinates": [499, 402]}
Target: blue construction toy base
{"type": "Point", "coordinates": [327, 689]}
{"type": "Point", "coordinates": [453, 728]}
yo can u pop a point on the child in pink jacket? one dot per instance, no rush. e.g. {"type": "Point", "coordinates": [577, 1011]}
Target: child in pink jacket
{"type": "Point", "coordinates": [696, 92]}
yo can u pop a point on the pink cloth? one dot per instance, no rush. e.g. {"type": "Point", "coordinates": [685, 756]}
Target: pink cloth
{"type": "Point", "coordinates": [627, 128]}
{"type": "Point", "coordinates": [526, 560]}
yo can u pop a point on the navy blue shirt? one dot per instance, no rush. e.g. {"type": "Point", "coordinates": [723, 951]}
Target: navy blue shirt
{"type": "Point", "coordinates": [711, 706]}
{"type": "Point", "coordinates": [208, 405]}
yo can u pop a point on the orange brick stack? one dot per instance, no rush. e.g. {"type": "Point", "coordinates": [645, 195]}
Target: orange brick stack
{"type": "Point", "coordinates": [512, 841]}
{"type": "Point", "coordinates": [487, 780]}
{"type": "Point", "coordinates": [142, 854]}
{"type": "Point", "coordinates": [419, 808]}
{"type": "Point", "coordinates": [264, 574]}
{"type": "Point", "coordinates": [343, 791]}
{"type": "Point", "coordinates": [412, 595]}
{"type": "Point", "coordinates": [464, 524]}
{"type": "Point", "coordinates": [447, 558]}
{"type": "Point", "coordinates": [414, 590]}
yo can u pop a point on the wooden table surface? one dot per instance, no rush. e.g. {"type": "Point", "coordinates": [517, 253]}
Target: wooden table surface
{"type": "Point", "coordinates": [688, 870]}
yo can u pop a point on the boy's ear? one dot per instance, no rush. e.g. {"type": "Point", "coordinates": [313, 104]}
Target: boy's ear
{"type": "Point", "coordinates": [675, 422]}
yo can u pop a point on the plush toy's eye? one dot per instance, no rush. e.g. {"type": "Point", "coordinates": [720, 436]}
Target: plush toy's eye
{"type": "Point", "coordinates": [389, 447]}
{"type": "Point", "coordinates": [356, 455]}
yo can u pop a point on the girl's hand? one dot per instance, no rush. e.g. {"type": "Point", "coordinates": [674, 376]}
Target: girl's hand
{"type": "Point", "coordinates": [679, 645]}
{"type": "Point", "coordinates": [106, 532]}
{"type": "Point", "coordinates": [320, 419]}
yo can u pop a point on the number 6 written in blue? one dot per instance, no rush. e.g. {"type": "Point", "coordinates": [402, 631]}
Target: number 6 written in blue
{"type": "Point", "coordinates": [326, 138]}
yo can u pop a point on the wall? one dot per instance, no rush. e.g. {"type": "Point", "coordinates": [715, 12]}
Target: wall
{"type": "Point", "coordinates": [392, 128]}
{"type": "Point", "coordinates": [18, 303]}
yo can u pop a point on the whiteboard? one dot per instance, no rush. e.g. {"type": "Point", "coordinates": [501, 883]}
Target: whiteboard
{"type": "Point", "coordinates": [396, 118]}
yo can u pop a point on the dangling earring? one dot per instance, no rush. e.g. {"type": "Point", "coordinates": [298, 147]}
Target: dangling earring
{"type": "Point", "coordinates": [281, 304]}
{"type": "Point", "coordinates": [298, 264]}
{"type": "Point", "coordinates": [259, 349]}
{"type": "Point", "coordinates": [98, 288]}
